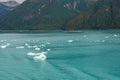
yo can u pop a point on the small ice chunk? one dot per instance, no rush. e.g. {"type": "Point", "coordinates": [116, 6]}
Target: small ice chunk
{"type": "Point", "coordinates": [48, 49]}
{"type": "Point", "coordinates": [31, 54]}
{"type": "Point", "coordinates": [20, 47]}
{"type": "Point", "coordinates": [26, 44]}
{"type": "Point", "coordinates": [3, 46]}
{"type": "Point", "coordinates": [40, 57]}
{"type": "Point", "coordinates": [7, 44]}
{"type": "Point", "coordinates": [103, 40]}
{"type": "Point", "coordinates": [98, 40]}
{"type": "Point", "coordinates": [70, 41]}
{"type": "Point", "coordinates": [43, 45]}
{"type": "Point", "coordinates": [29, 46]}
{"type": "Point", "coordinates": [43, 53]}
{"type": "Point", "coordinates": [37, 49]}
{"type": "Point", "coordinates": [115, 35]}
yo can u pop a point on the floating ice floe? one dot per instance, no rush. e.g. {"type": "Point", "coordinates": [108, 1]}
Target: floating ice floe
{"type": "Point", "coordinates": [115, 35]}
{"type": "Point", "coordinates": [48, 49]}
{"type": "Point", "coordinates": [26, 44]}
{"type": "Point", "coordinates": [31, 54]}
{"type": "Point", "coordinates": [20, 47]}
{"type": "Point", "coordinates": [70, 41]}
{"type": "Point", "coordinates": [8, 44]}
{"type": "Point", "coordinates": [43, 45]}
{"type": "Point", "coordinates": [29, 46]}
{"type": "Point", "coordinates": [38, 56]}
{"type": "Point", "coordinates": [35, 46]}
{"type": "Point", "coordinates": [3, 46]}
{"type": "Point", "coordinates": [37, 49]}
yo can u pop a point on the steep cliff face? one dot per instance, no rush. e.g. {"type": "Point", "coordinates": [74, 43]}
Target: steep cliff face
{"type": "Point", "coordinates": [105, 14]}
{"type": "Point", "coordinates": [43, 14]}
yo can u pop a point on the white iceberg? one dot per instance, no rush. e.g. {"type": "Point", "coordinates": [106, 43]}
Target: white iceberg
{"type": "Point", "coordinates": [38, 56]}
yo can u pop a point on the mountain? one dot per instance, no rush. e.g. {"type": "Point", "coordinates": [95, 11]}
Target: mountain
{"type": "Point", "coordinates": [6, 7]}
{"type": "Point", "coordinates": [64, 14]}
{"type": "Point", "coordinates": [43, 14]}
{"type": "Point", "coordinates": [105, 14]}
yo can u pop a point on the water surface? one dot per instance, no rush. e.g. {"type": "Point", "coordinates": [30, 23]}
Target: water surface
{"type": "Point", "coordinates": [71, 55]}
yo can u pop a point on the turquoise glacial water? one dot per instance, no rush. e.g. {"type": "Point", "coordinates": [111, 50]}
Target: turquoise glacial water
{"type": "Point", "coordinates": [80, 55]}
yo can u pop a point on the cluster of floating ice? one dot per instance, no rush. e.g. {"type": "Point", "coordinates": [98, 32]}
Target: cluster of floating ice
{"type": "Point", "coordinates": [36, 45]}
{"type": "Point", "coordinates": [26, 45]}
{"type": "Point", "coordinates": [5, 45]}
{"type": "Point", "coordinates": [38, 56]}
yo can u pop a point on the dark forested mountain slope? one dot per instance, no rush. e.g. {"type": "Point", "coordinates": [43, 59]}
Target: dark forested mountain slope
{"type": "Point", "coordinates": [64, 14]}
{"type": "Point", "coordinates": [43, 14]}
{"type": "Point", "coordinates": [105, 14]}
